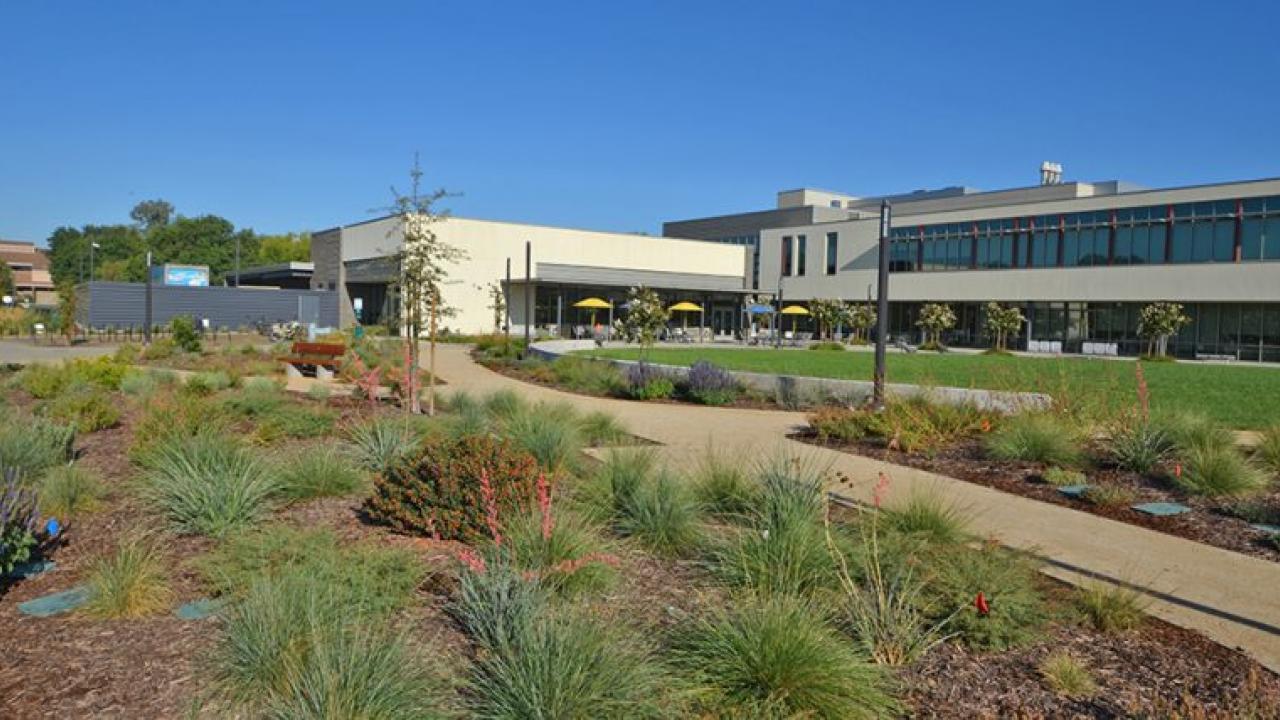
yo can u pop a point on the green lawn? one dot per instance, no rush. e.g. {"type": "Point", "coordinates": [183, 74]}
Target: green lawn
{"type": "Point", "coordinates": [1237, 396]}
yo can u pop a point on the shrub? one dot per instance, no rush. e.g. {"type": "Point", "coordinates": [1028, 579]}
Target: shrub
{"type": "Point", "coordinates": [1067, 676]}
{"type": "Point", "coordinates": [67, 490]}
{"type": "Point", "coordinates": [551, 435]}
{"type": "Point", "coordinates": [130, 582]}
{"type": "Point", "coordinates": [370, 580]}
{"type": "Point", "coordinates": [1062, 477]}
{"type": "Point", "coordinates": [1218, 470]}
{"type": "Point", "coordinates": [18, 523]}
{"type": "Point", "coordinates": [1138, 446]}
{"type": "Point", "coordinates": [207, 383]}
{"type": "Point", "coordinates": [827, 346]}
{"type": "Point", "coordinates": [1008, 584]}
{"type": "Point", "coordinates": [1035, 437]}
{"type": "Point", "coordinates": [207, 484]}
{"type": "Point", "coordinates": [42, 380]}
{"type": "Point", "coordinates": [926, 514]}
{"type": "Point", "coordinates": [710, 384]}
{"type": "Point", "coordinates": [318, 393]}
{"type": "Point", "coordinates": [782, 548]}
{"type": "Point", "coordinates": [661, 515]}
{"type": "Point", "coordinates": [1189, 431]}
{"type": "Point", "coordinates": [648, 382]}
{"type": "Point", "coordinates": [1110, 495]}
{"type": "Point", "coordinates": [382, 443]}
{"type": "Point", "coordinates": [87, 408]}
{"type": "Point", "coordinates": [568, 665]}
{"type": "Point", "coordinates": [442, 488]}
{"type": "Point", "coordinates": [31, 445]}
{"type": "Point", "coordinates": [723, 487]}
{"type": "Point", "coordinates": [599, 428]}
{"type": "Point", "coordinates": [586, 375]}
{"type": "Point", "coordinates": [160, 349]}
{"type": "Point", "coordinates": [563, 552]}
{"type": "Point", "coordinates": [319, 471]}
{"type": "Point", "coordinates": [256, 400]}
{"type": "Point", "coordinates": [911, 424]}
{"type": "Point", "coordinates": [184, 332]}
{"type": "Point", "coordinates": [1112, 608]}
{"type": "Point", "coordinates": [841, 424]}
{"type": "Point", "coordinates": [775, 658]}
{"type": "Point", "coordinates": [504, 404]}
{"type": "Point", "coordinates": [1267, 451]}
{"type": "Point", "coordinates": [139, 383]}
{"type": "Point", "coordinates": [294, 421]}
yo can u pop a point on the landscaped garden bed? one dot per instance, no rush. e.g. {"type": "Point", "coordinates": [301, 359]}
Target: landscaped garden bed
{"type": "Point", "coordinates": [250, 553]}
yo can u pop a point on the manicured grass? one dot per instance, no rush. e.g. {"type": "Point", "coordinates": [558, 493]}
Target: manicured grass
{"type": "Point", "coordinates": [1225, 393]}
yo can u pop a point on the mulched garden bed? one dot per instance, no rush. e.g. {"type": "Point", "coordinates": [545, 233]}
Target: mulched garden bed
{"type": "Point", "coordinates": [966, 460]}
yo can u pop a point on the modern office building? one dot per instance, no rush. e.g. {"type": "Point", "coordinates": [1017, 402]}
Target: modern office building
{"type": "Point", "coordinates": [1080, 258]}
{"type": "Point", "coordinates": [359, 262]}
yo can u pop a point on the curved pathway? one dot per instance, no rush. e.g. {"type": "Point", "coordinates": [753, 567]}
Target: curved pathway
{"type": "Point", "coordinates": [1231, 598]}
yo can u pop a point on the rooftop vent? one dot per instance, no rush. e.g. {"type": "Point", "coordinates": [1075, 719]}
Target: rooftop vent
{"type": "Point", "coordinates": [1050, 173]}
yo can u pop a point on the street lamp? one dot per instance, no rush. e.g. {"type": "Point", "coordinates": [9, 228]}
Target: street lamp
{"type": "Point", "coordinates": [92, 246]}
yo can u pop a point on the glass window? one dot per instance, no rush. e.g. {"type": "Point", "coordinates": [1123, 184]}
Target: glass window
{"type": "Point", "coordinates": [1271, 238]}
{"type": "Point", "coordinates": [832, 242]}
{"type": "Point", "coordinates": [1182, 211]}
{"type": "Point", "coordinates": [984, 253]}
{"type": "Point", "coordinates": [800, 253]}
{"type": "Point", "coordinates": [1084, 250]}
{"type": "Point", "coordinates": [966, 252]}
{"type": "Point", "coordinates": [1157, 236]}
{"type": "Point", "coordinates": [1224, 240]}
{"type": "Point", "coordinates": [1224, 208]}
{"type": "Point", "coordinates": [786, 255]}
{"type": "Point", "coordinates": [1251, 239]}
{"type": "Point", "coordinates": [1181, 243]}
{"type": "Point", "coordinates": [1253, 206]}
{"type": "Point", "coordinates": [1070, 247]}
{"type": "Point", "coordinates": [1006, 251]}
{"type": "Point", "coordinates": [1142, 252]}
{"type": "Point", "coordinates": [1202, 242]}
{"type": "Point", "coordinates": [1124, 245]}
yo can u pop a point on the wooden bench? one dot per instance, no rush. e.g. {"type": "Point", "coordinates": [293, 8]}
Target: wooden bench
{"type": "Point", "coordinates": [322, 358]}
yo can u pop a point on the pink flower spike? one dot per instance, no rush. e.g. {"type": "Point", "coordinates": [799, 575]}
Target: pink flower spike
{"type": "Point", "coordinates": [472, 560]}
{"type": "Point", "coordinates": [544, 506]}
{"type": "Point", "coordinates": [880, 490]}
{"type": "Point", "coordinates": [490, 507]}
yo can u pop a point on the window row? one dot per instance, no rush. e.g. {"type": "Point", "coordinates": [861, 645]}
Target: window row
{"type": "Point", "coordinates": [795, 249]}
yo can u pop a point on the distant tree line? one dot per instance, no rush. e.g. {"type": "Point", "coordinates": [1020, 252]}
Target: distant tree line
{"type": "Point", "coordinates": [171, 238]}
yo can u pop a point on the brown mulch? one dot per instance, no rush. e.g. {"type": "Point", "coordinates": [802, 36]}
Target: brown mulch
{"type": "Point", "coordinates": [965, 460]}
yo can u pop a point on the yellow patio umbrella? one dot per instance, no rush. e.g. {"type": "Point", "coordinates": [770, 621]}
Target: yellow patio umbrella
{"type": "Point", "coordinates": [686, 307]}
{"type": "Point", "coordinates": [593, 304]}
{"type": "Point", "coordinates": [794, 310]}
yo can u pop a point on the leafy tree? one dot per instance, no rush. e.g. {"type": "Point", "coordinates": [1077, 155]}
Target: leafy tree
{"type": "Point", "coordinates": [424, 261]}
{"type": "Point", "coordinates": [645, 318]}
{"type": "Point", "coordinates": [119, 246]}
{"type": "Point", "coordinates": [861, 318]}
{"type": "Point", "coordinates": [150, 214]}
{"type": "Point", "coordinates": [205, 240]}
{"type": "Point", "coordinates": [498, 304]}
{"type": "Point", "coordinates": [1002, 322]}
{"type": "Point", "coordinates": [68, 308]}
{"type": "Point", "coordinates": [827, 314]}
{"type": "Point", "coordinates": [6, 279]}
{"type": "Point", "coordinates": [935, 318]}
{"type": "Point", "coordinates": [277, 249]}
{"type": "Point", "coordinates": [1157, 322]}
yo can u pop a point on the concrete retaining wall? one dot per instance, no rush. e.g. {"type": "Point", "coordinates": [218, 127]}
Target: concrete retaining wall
{"type": "Point", "coordinates": [814, 389]}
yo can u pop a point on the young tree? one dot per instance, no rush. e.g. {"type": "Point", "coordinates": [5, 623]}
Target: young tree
{"type": "Point", "coordinates": [1157, 322]}
{"type": "Point", "coordinates": [827, 314]}
{"type": "Point", "coordinates": [498, 304]}
{"type": "Point", "coordinates": [68, 308]}
{"type": "Point", "coordinates": [645, 318]}
{"type": "Point", "coordinates": [424, 261]}
{"type": "Point", "coordinates": [934, 319]}
{"type": "Point", "coordinates": [1001, 323]}
{"type": "Point", "coordinates": [861, 319]}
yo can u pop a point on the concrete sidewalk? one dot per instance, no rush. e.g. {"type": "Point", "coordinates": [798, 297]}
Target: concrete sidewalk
{"type": "Point", "coordinates": [1231, 598]}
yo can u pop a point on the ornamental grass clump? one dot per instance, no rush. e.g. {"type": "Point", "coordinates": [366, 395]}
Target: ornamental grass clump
{"type": "Point", "coordinates": [30, 445]}
{"type": "Point", "coordinates": [723, 487]}
{"type": "Point", "coordinates": [551, 434]}
{"type": "Point", "coordinates": [1139, 446]}
{"type": "Point", "coordinates": [85, 407]}
{"type": "Point", "coordinates": [1062, 477]}
{"type": "Point", "coordinates": [711, 384]}
{"type": "Point", "coordinates": [586, 375]}
{"type": "Point", "coordinates": [645, 381]}
{"type": "Point", "coordinates": [69, 490]}
{"type": "Point", "coordinates": [1067, 676]}
{"type": "Point", "coordinates": [781, 546]}
{"type": "Point", "coordinates": [776, 658]}
{"type": "Point", "coordinates": [927, 515]}
{"type": "Point", "coordinates": [661, 515]}
{"type": "Point", "coordinates": [1037, 438]}
{"type": "Point", "coordinates": [1112, 608]}
{"type": "Point", "coordinates": [452, 487]}
{"type": "Point", "coordinates": [208, 484]}
{"type": "Point", "coordinates": [1267, 450]}
{"type": "Point", "coordinates": [599, 428]}
{"type": "Point", "coordinates": [1218, 471]}
{"type": "Point", "coordinates": [380, 444]}
{"type": "Point", "coordinates": [130, 582]}
{"type": "Point", "coordinates": [1188, 431]}
{"type": "Point", "coordinates": [319, 471]}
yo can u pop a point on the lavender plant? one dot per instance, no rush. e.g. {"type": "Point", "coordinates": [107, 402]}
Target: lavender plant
{"type": "Point", "coordinates": [648, 382]}
{"type": "Point", "coordinates": [710, 384]}
{"type": "Point", "coordinates": [18, 522]}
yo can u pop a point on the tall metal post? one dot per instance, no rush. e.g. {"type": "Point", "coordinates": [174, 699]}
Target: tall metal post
{"type": "Point", "coordinates": [146, 328]}
{"type": "Point", "coordinates": [528, 291]}
{"type": "Point", "coordinates": [882, 304]}
{"type": "Point", "coordinates": [237, 259]}
{"type": "Point", "coordinates": [506, 303]}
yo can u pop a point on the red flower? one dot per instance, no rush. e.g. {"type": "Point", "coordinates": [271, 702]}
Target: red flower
{"type": "Point", "coordinates": [986, 425]}
{"type": "Point", "coordinates": [980, 603]}
{"type": "Point", "coordinates": [1177, 470]}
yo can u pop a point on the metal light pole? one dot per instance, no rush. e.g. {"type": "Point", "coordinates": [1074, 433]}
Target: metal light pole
{"type": "Point", "coordinates": [882, 304]}
{"type": "Point", "coordinates": [146, 328]}
{"type": "Point", "coordinates": [92, 246]}
{"type": "Point", "coordinates": [777, 317]}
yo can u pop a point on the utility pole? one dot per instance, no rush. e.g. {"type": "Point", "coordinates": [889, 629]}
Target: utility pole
{"type": "Point", "coordinates": [431, 362]}
{"type": "Point", "coordinates": [882, 304]}
{"type": "Point", "coordinates": [528, 292]}
{"type": "Point", "coordinates": [506, 304]}
{"type": "Point", "coordinates": [92, 246]}
{"type": "Point", "coordinates": [146, 328]}
{"type": "Point", "coordinates": [777, 317]}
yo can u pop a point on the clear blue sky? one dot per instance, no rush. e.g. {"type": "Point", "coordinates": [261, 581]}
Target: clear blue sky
{"type": "Point", "coordinates": [609, 115]}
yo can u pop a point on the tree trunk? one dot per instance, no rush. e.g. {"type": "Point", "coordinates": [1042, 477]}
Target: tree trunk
{"type": "Point", "coordinates": [431, 362]}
